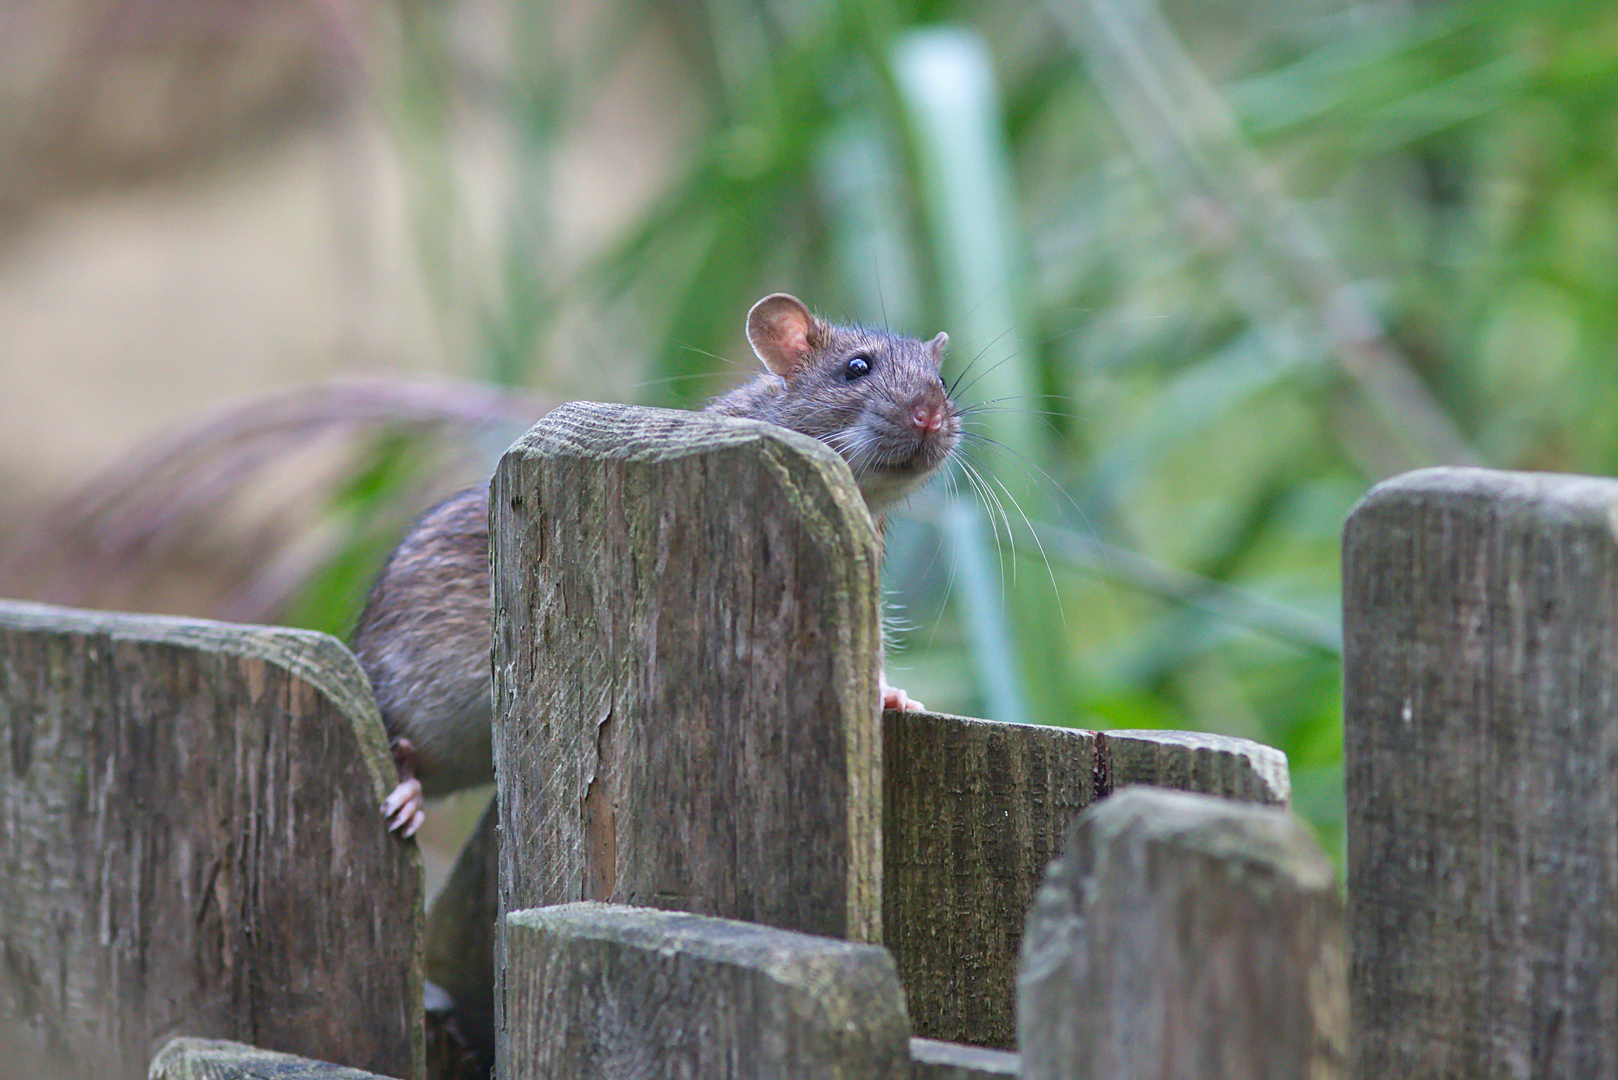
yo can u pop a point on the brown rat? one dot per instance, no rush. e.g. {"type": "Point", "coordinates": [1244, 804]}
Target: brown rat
{"type": "Point", "coordinates": [876, 398]}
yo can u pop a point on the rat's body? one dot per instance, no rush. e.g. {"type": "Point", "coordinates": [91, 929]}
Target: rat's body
{"type": "Point", "coordinates": [423, 639]}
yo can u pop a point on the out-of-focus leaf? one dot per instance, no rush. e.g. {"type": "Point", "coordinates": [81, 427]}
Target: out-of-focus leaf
{"type": "Point", "coordinates": [946, 80]}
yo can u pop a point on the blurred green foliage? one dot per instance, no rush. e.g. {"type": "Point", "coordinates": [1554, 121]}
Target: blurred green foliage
{"type": "Point", "coordinates": [1210, 271]}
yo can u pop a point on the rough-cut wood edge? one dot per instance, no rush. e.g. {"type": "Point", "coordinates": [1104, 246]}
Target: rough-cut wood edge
{"type": "Point", "coordinates": [218, 1059]}
{"type": "Point", "coordinates": [1133, 879]}
{"type": "Point", "coordinates": [934, 1060]}
{"type": "Point", "coordinates": [843, 998]}
{"type": "Point", "coordinates": [318, 659]}
{"type": "Point", "coordinates": [1196, 761]}
{"type": "Point", "coordinates": [1568, 497]}
{"type": "Point", "coordinates": [1195, 822]}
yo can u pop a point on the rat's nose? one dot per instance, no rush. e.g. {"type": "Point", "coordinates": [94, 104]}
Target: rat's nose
{"type": "Point", "coordinates": [927, 416]}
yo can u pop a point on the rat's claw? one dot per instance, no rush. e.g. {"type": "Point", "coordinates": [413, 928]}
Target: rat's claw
{"type": "Point", "coordinates": [895, 698]}
{"type": "Point", "coordinates": [404, 807]}
{"type": "Point", "coordinates": [415, 823]}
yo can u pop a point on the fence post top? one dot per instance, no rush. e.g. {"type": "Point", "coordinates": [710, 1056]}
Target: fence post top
{"type": "Point", "coordinates": [1459, 485]}
{"type": "Point", "coordinates": [1255, 772]}
{"type": "Point", "coordinates": [1218, 828]}
{"type": "Point", "coordinates": [318, 659]}
{"type": "Point", "coordinates": [640, 435]}
{"type": "Point", "coordinates": [706, 936]}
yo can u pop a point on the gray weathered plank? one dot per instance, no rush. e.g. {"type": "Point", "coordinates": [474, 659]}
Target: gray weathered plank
{"type": "Point", "coordinates": [934, 1060]}
{"type": "Point", "coordinates": [194, 847]}
{"type": "Point", "coordinates": [1183, 935]}
{"type": "Point", "coordinates": [1481, 738]}
{"type": "Point", "coordinates": [973, 812]}
{"type": "Point", "coordinates": [217, 1059]}
{"type": "Point", "coordinates": [686, 651]}
{"type": "Point", "coordinates": [606, 990]}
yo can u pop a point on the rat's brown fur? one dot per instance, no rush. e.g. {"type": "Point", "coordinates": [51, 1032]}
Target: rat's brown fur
{"type": "Point", "coordinates": [423, 639]}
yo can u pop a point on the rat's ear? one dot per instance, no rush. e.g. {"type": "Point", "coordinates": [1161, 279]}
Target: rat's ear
{"type": "Point", "coordinates": [936, 347]}
{"type": "Point", "coordinates": [782, 332]}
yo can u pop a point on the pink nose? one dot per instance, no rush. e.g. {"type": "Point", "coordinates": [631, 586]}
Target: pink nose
{"type": "Point", "coordinates": [928, 418]}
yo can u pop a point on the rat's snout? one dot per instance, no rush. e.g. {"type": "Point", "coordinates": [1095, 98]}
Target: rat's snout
{"type": "Point", "coordinates": [929, 412]}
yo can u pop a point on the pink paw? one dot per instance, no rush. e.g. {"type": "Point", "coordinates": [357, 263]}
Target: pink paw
{"type": "Point", "coordinates": [405, 809]}
{"type": "Point", "coordinates": [895, 698]}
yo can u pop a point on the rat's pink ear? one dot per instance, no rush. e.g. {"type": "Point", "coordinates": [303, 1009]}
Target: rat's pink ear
{"type": "Point", "coordinates": [782, 332]}
{"type": "Point", "coordinates": [936, 347]}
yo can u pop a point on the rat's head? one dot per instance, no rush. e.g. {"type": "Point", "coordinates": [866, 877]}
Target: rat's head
{"type": "Point", "coordinates": [876, 398]}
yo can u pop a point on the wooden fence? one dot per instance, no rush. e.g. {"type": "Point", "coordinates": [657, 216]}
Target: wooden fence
{"type": "Point", "coordinates": [710, 855]}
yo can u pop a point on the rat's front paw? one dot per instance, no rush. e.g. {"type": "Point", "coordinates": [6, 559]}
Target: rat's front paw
{"type": "Point", "coordinates": [405, 809]}
{"type": "Point", "coordinates": [895, 698]}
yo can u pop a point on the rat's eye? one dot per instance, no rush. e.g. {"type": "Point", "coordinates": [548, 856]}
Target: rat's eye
{"type": "Point", "coordinates": [857, 367]}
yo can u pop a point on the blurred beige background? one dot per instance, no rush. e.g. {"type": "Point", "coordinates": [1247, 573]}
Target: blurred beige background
{"type": "Point", "coordinates": [206, 200]}
{"type": "Point", "coordinates": [198, 203]}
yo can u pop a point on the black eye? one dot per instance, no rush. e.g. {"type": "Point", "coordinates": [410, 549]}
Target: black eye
{"type": "Point", "coordinates": [857, 368]}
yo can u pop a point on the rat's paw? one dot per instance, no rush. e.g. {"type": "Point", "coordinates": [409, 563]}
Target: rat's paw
{"type": "Point", "coordinates": [895, 698]}
{"type": "Point", "coordinates": [405, 809]}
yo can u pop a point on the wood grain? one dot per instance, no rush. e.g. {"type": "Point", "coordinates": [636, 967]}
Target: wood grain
{"type": "Point", "coordinates": [189, 820]}
{"type": "Point", "coordinates": [1481, 737]}
{"type": "Point", "coordinates": [974, 811]}
{"type": "Point", "coordinates": [686, 656]}
{"type": "Point", "coordinates": [1184, 936]}
{"type": "Point", "coordinates": [215, 1059]}
{"type": "Point", "coordinates": [598, 990]}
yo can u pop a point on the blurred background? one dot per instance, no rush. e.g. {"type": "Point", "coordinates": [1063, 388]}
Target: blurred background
{"type": "Point", "coordinates": [274, 274]}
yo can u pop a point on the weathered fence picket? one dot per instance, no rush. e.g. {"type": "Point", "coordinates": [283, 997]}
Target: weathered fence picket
{"type": "Point", "coordinates": [1481, 735]}
{"type": "Point", "coordinates": [606, 990]}
{"type": "Point", "coordinates": [1181, 935]}
{"type": "Point", "coordinates": [190, 840]}
{"type": "Point", "coordinates": [686, 673]}
{"type": "Point", "coordinates": [685, 684]}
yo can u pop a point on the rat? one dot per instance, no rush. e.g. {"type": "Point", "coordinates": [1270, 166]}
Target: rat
{"type": "Point", "coordinates": [876, 398]}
